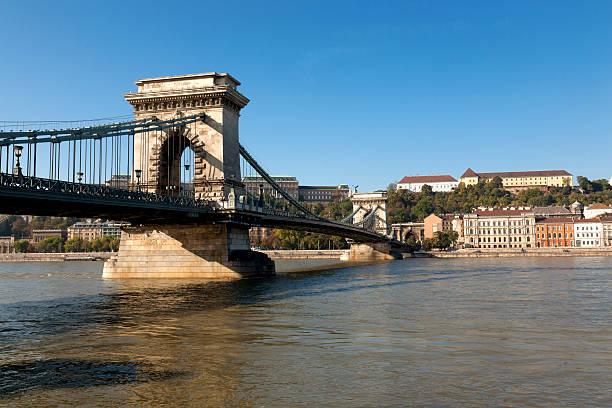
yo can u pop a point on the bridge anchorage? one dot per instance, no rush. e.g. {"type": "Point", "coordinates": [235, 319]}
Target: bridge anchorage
{"type": "Point", "coordinates": [174, 172]}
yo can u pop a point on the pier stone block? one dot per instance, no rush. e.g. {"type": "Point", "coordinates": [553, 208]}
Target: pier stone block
{"type": "Point", "coordinates": [217, 251]}
{"type": "Point", "coordinates": [367, 252]}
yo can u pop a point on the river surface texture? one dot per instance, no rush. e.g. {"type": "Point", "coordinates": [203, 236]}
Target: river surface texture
{"type": "Point", "coordinates": [532, 332]}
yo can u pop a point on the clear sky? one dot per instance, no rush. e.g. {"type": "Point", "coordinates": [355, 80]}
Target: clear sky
{"type": "Point", "coordinates": [341, 92]}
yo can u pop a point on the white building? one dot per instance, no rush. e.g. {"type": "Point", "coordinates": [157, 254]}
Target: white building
{"type": "Point", "coordinates": [588, 233]}
{"type": "Point", "coordinates": [596, 209]}
{"type": "Point", "coordinates": [444, 183]}
{"type": "Point", "coordinates": [512, 227]}
{"type": "Point", "coordinates": [606, 227]}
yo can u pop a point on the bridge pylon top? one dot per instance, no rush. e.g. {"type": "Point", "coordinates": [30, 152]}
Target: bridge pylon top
{"type": "Point", "coordinates": [163, 95]}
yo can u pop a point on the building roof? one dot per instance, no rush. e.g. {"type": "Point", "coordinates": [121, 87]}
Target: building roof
{"type": "Point", "coordinates": [517, 174]}
{"type": "Point", "coordinates": [599, 206]}
{"type": "Point", "coordinates": [427, 179]}
{"type": "Point", "coordinates": [595, 219]}
{"type": "Point", "coordinates": [557, 220]}
{"type": "Point", "coordinates": [496, 212]}
{"type": "Point", "coordinates": [552, 210]}
{"type": "Point", "coordinates": [469, 173]}
{"type": "Point", "coordinates": [451, 216]}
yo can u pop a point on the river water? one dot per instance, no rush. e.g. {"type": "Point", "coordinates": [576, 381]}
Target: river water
{"type": "Point", "coordinates": [419, 332]}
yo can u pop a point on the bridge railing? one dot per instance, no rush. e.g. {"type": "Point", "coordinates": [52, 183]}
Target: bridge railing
{"type": "Point", "coordinates": [67, 189]}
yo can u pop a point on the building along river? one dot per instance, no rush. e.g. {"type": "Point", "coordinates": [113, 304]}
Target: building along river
{"type": "Point", "coordinates": [419, 332]}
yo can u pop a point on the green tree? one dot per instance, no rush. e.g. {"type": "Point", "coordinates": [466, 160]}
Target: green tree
{"type": "Point", "coordinates": [51, 244]}
{"type": "Point", "coordinates": [412, 243]}
{"type": "Point", "coordinates": [426, 190]}
{"type": "Point", "coordinates": [427, 244]}
{"type": "Point", "coordinates": [114, 244]}
{"type": "Point", "coordinates": [441, 240]}
{"type": "Point", "coordinates": [75, 244]}
{"type": "Point", "coordinates": [453, 236]}
{"type": "Point", "coordinates": [20, 229]}
{"type": "Point", "coordinates": [22, 246]}
{"type": "Point", "coordinates": [423, 208]}
{"type": "Point", "coordinates": [339, 210]}
{"type": "Point", "coordinates": [584, 183]}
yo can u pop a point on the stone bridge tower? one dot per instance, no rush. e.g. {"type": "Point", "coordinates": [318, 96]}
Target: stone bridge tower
{"type": "Point", "coordinates": [214, 142]}
{"type": "Point", "coordinates": [215, 250]}
{"type": "Point", "coordinates": [366, 203]}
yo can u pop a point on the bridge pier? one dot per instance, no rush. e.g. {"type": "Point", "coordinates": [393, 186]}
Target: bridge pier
{"type": "Point", "coordinates": [368, 252]}
{"type": "Point", "coordinates": [214, 251]}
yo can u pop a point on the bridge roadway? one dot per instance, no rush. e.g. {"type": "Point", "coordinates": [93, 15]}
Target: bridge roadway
{"type": "Point", "coordinates": [37, 196]}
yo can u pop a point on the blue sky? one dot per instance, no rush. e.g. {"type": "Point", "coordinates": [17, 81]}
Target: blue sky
{"type": "Point", "coordinates": [341, 92]}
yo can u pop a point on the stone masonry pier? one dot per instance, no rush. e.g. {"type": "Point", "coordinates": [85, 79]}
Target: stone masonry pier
{"type": "Point", "coordinates": [214, 251]}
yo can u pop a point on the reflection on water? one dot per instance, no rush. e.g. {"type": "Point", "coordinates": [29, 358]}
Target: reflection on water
{"type": "Point", "coordinates": [424, 332]}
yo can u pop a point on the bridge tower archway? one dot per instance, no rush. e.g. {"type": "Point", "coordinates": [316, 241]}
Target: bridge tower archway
{"type": "Point", "coordinates": [170, 171]}
{"type": "Point", "coordinates": [214, 140]}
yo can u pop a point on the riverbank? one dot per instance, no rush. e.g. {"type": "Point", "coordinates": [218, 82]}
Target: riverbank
{"type": "Point", "coordinates": [55, 257]}
{"type": "Point", "coordinates": [526, 252]}
{"type": "Point", "coordinates": [337, 254]}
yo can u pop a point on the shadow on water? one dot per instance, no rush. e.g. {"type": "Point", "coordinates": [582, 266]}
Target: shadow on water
{"type": "Point", "coordinates": [67, 373]}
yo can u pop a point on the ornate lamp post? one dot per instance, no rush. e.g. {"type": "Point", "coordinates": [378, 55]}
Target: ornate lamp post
{"type": "Point", "coordinates": [138, 174]}
{"type": "Point", "coordinates": [187, 181]}
{"type": "Point", "coordinates": [17, 170]}
{"type": "Point", "coordinates": [80, 176]}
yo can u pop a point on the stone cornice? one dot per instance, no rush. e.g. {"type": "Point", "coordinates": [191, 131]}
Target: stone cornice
{"type": "Point", "coordinates": [210, 92]}
{"type": "Point", "coordinates": [212, 97]}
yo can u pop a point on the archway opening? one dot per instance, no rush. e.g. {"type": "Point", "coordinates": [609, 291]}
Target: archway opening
{"type": "Point", "coordinates": [176, 166]}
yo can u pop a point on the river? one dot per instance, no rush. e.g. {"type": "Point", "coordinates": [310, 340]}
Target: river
{"type": "Point", "coordinates": [524, 332]}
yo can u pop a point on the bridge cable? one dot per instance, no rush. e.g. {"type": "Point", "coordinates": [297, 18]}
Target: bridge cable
{"type": "Point", "coordinates": [273, 183]}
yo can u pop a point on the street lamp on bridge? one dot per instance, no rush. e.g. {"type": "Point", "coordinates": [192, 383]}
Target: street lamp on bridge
{"type": "Point", "coordinates": [138, 174]}
{"type": "Point", "coordinates": [17, 170]}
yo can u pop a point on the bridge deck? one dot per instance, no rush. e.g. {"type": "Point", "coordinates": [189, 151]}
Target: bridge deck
{"type": "Point", "coordinates": [34, 196]}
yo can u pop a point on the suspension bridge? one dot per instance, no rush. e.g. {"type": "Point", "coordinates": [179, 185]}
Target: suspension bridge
{"type": "Point", "coordinates": [175, 172]}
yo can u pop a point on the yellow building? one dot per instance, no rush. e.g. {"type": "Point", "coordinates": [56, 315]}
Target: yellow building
{"type": "Point", "coordinates": [521, 180]}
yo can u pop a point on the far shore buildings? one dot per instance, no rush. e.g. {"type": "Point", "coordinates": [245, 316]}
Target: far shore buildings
{"type": "Point", "coordinates": [442, 223]}
{"type": "Point", "coordinates": [90, 230]}
{"type": "Point", "coordinates": [597, 209]}
{"type": "Point", "coordinates": [555, 232]}
{"type": "Point", "coordinates": [588, 232]}
{"type": "Point", "coordinates": [508, 227]}
{"type": "Point", "coordinates": [6, 245]}
{"type": "Point", "coordinates": [403, 230]}
{"type": "Point", "coordinates": [438, 183]}
{"type": "Point", "coordinates": [521, 180]}
{"type": "Point", "coordinates": [40, 235]}
{"type": "Point", "coordinates": [323, 194]}
{"type": "Point", "coordinates": [253, 185]}
{"type": "Point", "coordinates": [606, 227]}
